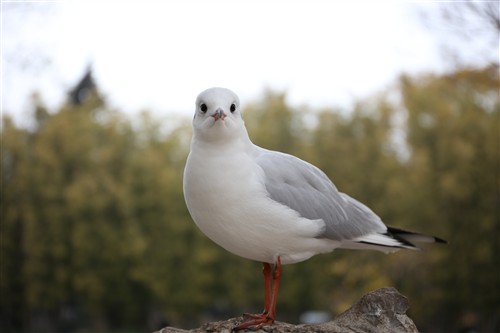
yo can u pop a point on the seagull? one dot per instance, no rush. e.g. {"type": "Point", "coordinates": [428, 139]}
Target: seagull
{"type": "Point", "coordinates": [269, 206]}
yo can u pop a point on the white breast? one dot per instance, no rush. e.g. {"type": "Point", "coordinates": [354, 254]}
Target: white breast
{"type": "Point", "coordinates": [227, 199]}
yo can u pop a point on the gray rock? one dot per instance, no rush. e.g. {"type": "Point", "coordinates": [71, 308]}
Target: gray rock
{"type": "Point", "coordinates": [381, 311]}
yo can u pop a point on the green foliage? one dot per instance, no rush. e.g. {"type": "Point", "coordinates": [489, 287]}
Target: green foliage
{"type": "Point", "coordinates": [95, 234]}
{"type": "Point", "coordinates": [453, 134]}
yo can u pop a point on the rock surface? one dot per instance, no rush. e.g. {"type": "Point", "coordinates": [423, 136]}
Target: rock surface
{"type": "Point", "coordinates": [381, 311]}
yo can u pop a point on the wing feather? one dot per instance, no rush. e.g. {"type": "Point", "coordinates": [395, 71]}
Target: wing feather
{"type": "Point", "coordinates": [306, 189]}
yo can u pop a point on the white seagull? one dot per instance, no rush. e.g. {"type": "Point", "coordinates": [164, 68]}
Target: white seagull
{"type": "Point", "coordinates": [269, 206]}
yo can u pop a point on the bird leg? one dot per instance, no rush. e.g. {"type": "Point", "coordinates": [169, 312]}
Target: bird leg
{"type": "Point", "coordinates": [266, 318]}
{"type": "Point", "coordinates": [266, 270]}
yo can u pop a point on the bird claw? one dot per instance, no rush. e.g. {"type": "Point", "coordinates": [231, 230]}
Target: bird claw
{"type": "Point", "coordinates": [254, 322]}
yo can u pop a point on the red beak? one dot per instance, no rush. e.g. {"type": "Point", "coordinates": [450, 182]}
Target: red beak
{"type": "Point", "coordinates": [219, 114]}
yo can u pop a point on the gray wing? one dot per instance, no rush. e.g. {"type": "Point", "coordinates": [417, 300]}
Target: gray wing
{"type": "Point", "coordinates": [307, 190]}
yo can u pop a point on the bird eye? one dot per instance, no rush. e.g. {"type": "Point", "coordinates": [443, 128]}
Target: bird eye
{"type": "Point", "coordinates": [203, 108]}
{"type": "Point", "coordinates": [233, 107]}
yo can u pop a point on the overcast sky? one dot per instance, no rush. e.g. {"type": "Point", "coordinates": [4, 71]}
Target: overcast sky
{"type": "Point", "coordinates": [160, 55]}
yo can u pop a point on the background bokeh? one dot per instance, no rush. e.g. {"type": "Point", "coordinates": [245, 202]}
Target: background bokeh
{"type": "Point", "coordinates": [95, 235]}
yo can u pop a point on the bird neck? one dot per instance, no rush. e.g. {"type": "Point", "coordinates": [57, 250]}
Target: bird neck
{"type": "Point", "coordinates": [236, 141]}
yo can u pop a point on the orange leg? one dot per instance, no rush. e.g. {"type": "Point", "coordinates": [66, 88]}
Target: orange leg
{"type": "Point", "coordinates": [266, 270]}
{"type": "Point", "coordinates": [276, 285]}
{"type": "Point", "coordinates": [257, 321]}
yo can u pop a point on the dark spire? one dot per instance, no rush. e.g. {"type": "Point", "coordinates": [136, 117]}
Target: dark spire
{"type": "Point", "coordinates": [82, 90]}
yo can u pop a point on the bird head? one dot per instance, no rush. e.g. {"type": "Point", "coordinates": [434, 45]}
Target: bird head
{"type": "Point", "coordinates": [217, 115]}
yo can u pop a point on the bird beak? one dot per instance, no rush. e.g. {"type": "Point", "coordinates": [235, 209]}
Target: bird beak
{"type": "Point", "coordinates": [219, 114]}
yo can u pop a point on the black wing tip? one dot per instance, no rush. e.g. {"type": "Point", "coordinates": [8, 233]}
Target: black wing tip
{"type": "Point", "coordinates": [440, 240]}
{"type": "Point", "coordinates": [404, 242]}
{"type": "Point", "coordinates": [399, 234]}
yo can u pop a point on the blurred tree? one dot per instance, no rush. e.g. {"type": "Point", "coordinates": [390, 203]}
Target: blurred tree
{"type": "Point", "coordinates": [453, 136]}
{"type": "Point", "coordinates": [96, 236]}
{"type": "Point", "coordinates": [273, 123]}
{"type": "Point", "coordinates": [15, 169]}
{"type": "Point", "coordinates": [85, 194]}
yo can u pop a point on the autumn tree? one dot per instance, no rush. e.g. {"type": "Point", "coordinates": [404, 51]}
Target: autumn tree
{"type": "Point", "coordinates": [96, 235]}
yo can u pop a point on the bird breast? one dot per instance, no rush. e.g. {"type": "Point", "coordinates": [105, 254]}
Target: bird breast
{"type": "Point", "coordinates": [228, 201]}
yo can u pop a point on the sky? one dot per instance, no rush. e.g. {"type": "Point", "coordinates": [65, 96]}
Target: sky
{"type": "Point", "coordinates": [159, 55]}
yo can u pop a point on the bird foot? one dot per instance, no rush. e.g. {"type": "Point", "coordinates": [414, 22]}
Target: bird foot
{"type": "Point", "coordinates": [254, 322]}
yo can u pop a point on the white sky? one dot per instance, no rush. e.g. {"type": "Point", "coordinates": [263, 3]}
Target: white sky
{"type": "Point", "coordinates": [160, 55]}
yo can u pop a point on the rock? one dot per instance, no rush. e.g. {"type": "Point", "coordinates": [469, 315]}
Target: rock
{"type": "Point", "coordinates": [381, 311]}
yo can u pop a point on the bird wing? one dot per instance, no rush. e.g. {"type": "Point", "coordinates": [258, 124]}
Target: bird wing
{"type": "Point", "coordinates": [307, 190]}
